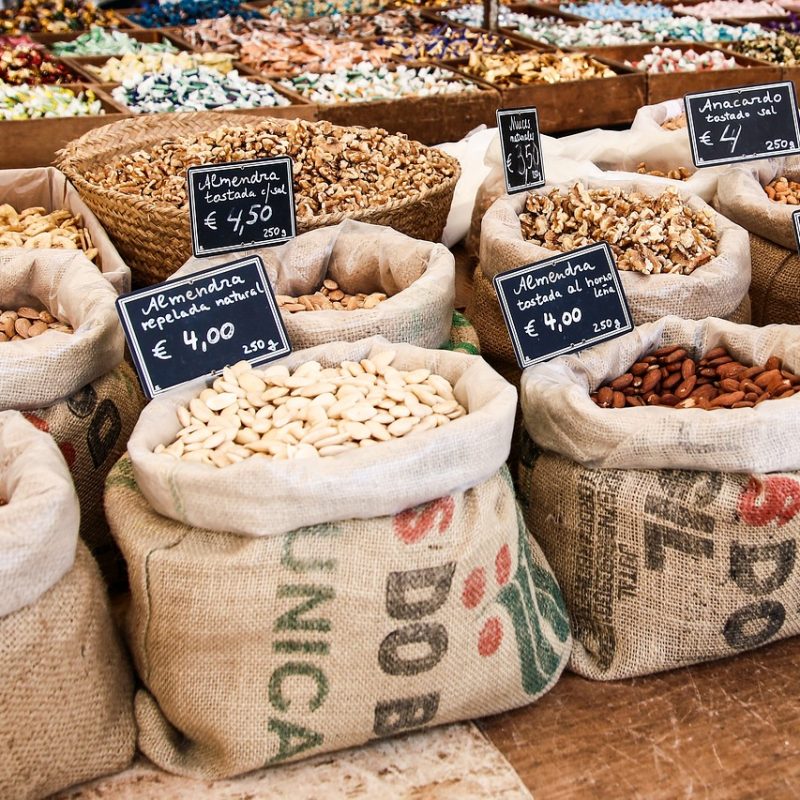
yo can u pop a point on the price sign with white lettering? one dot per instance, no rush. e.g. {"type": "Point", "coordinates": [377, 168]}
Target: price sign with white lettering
{"type": "Point", "coordinates": [241, 205]}
{"type": "Point", "coordinates": [188, 327]}
{"type": "Point", "coordinates": [750, 122]}
{"type": "Point", "coordinates": [563, 304]}
{"type": "Point", "coordinates": [521, 147]}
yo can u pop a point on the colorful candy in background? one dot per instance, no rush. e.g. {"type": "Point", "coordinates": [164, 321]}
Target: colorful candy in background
{"type": "Point", "coordinates": [473, 15]}
{"type": "Point", "coordinates": [778, 48]}
{"type": "Point", "coordinates": [187, 12]}
{"type": "Point", "coordinates": [100, 42]}
{"type": "Point", "coordinates": [733, 9]}
{"type": "Point", "coordinates": [366, 82]}
{"type": "Point", "coordinates": [320, 8]}
{"type": "Point", "coordinates": [511, 69]}
{"type": "Point", "coordinates": [128, 67]}
{"type": "Point", "coordinates": [36, 102]}
{"type": "Point", "coordinates": [445, 43]}
{"type": "Point", "coordinates": [54, 16]}
{"type": "Point", "coordinates": [615, 10]}
{"type": "Point", "coordinates": [791, 24]}
{"type": "Point", "coordinates": [200, 89]}
{"type": "Point", "coordinates": [24, 61]}
{"type": "Point", "coordinates": [666, 60]}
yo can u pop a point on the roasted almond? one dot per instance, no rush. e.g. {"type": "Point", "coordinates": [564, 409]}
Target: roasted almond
{"type": "Point", "coordinates": [727, 400]}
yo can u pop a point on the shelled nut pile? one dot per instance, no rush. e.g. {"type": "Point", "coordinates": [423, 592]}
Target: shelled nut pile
{"type": "Point", "coordinates": [312, 412]}
{"type": "Point", "coordinates": [783, 190]}
{"type": "Point", "coordinates": [677, 174]}
{"type": "Point", "coordinates": [675, 124]}
{"type": "Point", "coordinates": [648, 234]}
{"type": "Point", "coordinates": [34, 228]}
{"type": "Point", "coordinates": [510, 69]}
{"type": "Point", "coordinates": [329, 297]}
{"type": "Point", "coordinates": [26, 323]}
{"type": "Point", "coordinates": [671, 377]}
{"type": "Point", "coordinates": [335, 168]}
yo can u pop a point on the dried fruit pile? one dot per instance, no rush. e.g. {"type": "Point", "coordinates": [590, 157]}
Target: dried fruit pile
{"type": "Point", "coordinates": [648, 234]}
{"type": "Point", "coordinates": [671, 377]}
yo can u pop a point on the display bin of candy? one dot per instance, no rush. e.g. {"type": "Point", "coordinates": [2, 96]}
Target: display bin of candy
{"type": "Point", "coordinates": [430, 119]}
{"type": "Point", "coordinates": [738, 16]}
{"type": "Point", "coordinates": [144, 36]}
{"type": "Point", "coordinates": [298, 108]}
{"type": "Point", "coordinates": [577, 104]}
{"type": "Point", "coordinates": [36, 141]}
{"type": "Point", "coordinates": [665, 86]}
{"type": "Point", "coordinates": [613, 11]}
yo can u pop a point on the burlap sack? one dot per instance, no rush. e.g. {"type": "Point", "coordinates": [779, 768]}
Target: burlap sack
{"type": "Point", "coordinates": [559, 415]}
{"type": "Point", "coordinates": [463, 336]}
{"type": "Point", "coordinates": [39, 529]}
{"type": "Point", "coordinates": [649, 119]}
{"type": "Point", "coordinates": [257, 651]}
{"type": "Point", "coordinates": [74, 386]}
{"type": "Point", "coordinates": [49, 188]}
{"type": "Point", "coordinates": [66, 698]}
{"type": "Point", "coordinates": [714, 290]}
{"type": "Point", "coordinates": [352, 485]}
{"type": "Point", "coordinates": [484, 310]}
{"type": "Point", "coordinates": [66, 694]}
{"type": "Point", "coordinates": [418, 276]}
{"type": "Point", "coordinates": [775, 289]}
{"type": "Point", "coordinates": [665, 568]}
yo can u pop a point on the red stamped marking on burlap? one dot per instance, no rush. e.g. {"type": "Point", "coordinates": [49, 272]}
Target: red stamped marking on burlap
{"type": "Point", "coordinates": [474, 588]}
{"type": "Point", "coordinates": [415, 524]}
{"type": "Point", "coordinates": [491, 637]}
{"type": "Point", "coordinates": [769, 499]}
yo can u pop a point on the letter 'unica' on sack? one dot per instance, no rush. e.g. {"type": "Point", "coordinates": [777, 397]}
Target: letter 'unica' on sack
{"type": "Point", "coordinates": [255, 651]}
{"type": "Point", "coordinates": [665, 568]}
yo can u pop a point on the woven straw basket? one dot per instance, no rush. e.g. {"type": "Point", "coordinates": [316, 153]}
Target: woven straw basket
{"type": "Point", "coordinates": [153, 237]}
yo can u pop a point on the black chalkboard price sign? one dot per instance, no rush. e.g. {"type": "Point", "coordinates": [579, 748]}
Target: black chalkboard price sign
{"type": "Point", "coordinates": [743, 124]}
{"type": "Point", "coordinates": [563, 304]}
{"type": "Point", "coordinates": [521, 147]}
{"type": "Point", "coordinates": [241, 205]}
{"type": "Point", "coordinates": [796, 223]}
{"type": "Point", "coordinates": [188, 327]}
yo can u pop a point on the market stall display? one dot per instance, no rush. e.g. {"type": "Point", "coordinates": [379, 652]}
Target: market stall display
{"type": "Point", "coordinates": [99, 41]}
{"type": "Point", "coordinates": [136, 66]}
{"type": "Point", "coordinates": [186, 12]}
{"type": "Point", "coordinates": [614, 481]}
{"type": "Point", "coordinates": [66, 701]}
{"type": "Point", "coordinates": [23, 61]}
{"type": "Point", "coordinates": [54, 16]}
{"type": "Point", "coordinates": [732, 9]}
{"type": "Point", "coordinates": [398, 182]}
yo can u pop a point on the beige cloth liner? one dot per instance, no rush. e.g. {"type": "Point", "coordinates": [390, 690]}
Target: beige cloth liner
{"type": "Point", "coordinates": [418, 276]}
{"type": "Point", "coordinates": [411, 470]}
{"type": "Point", "coordinates": [560, 416]}
{"type": "Point", "coordinates": [39, 522]}
{"type": "Point", "coordinates": [715, 289]}
{"type": "Point", "coordinates": [39, 371]}
{"type": "Point", "coordinates": [49, 188]}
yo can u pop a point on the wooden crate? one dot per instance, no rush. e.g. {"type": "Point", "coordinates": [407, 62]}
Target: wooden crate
{"type": "Point", "coordinates": [675, 85]}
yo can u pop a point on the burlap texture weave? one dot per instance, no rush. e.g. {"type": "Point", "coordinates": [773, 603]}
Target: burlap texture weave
{"type": "Point", "coordinates": [257, 651]}
{"type": "Point", "coordinates": [665, 568]}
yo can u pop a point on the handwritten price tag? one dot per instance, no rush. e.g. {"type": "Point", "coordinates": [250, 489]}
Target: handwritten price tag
{"type": "Point", "coordinates": [521, 147]}
{"type": "Point", "coordinates": [241, 205]}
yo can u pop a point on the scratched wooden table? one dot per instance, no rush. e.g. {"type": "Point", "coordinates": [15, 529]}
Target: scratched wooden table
{"type": "Point", "coordinates": [728, 729]}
